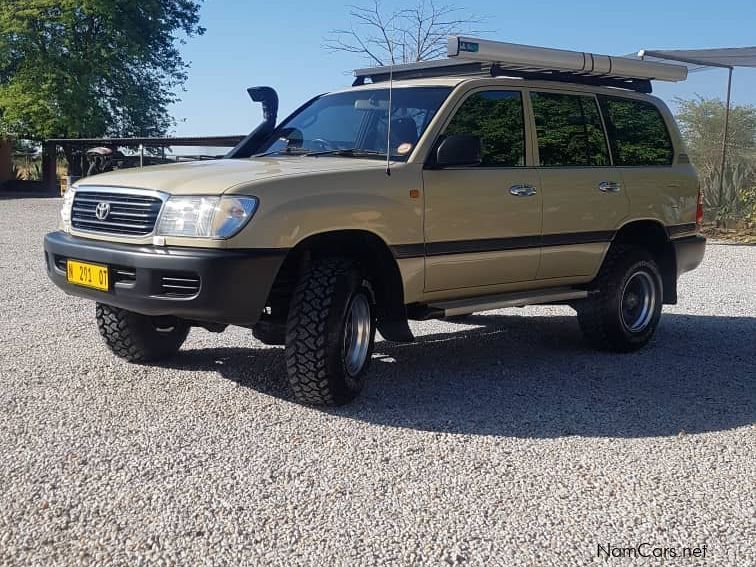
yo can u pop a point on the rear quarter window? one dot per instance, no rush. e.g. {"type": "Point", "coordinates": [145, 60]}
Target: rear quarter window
{"type": "Point", "coordinates": [637, 132]}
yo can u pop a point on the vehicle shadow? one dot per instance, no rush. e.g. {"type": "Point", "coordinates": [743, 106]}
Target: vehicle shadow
{"type": "Point", "coordinates": [534, 377]}
{"type": "Point", "coordinates": [11, 195]}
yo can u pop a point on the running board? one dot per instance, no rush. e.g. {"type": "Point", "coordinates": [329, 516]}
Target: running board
{"type": "Point", "coordinates": [516, 299]}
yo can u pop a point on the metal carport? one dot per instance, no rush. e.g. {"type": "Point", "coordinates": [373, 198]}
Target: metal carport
{"type": "Point", "coordinates": [702, 59]}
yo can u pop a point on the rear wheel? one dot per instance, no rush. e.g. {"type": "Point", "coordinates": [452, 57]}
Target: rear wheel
{"type": "Point", "coordinates": [139, 338]}
{"type": "Point", "coordinates": [624, 314]}
{"type": "Point", "coordinates": [330, 333]}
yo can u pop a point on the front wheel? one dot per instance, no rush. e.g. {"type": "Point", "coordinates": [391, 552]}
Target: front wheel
{"type": "Point", "coordinates": [330, 333]}
{"type": "Point", "coordinates": [624, 314]}
{"type": "Point", "coordinates": [139, 338]}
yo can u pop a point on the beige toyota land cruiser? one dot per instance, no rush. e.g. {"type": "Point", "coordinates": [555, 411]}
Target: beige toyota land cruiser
{"type": "Point", "coordinates": [503, 176]}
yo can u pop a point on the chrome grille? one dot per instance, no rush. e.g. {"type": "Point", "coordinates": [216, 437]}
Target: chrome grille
{"type": "Point", "coordinates": [130, 213]}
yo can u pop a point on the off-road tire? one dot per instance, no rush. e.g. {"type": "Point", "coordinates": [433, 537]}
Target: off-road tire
{"type": "Point", "coordinates": [137, 338]}
{"type": "Point", "coordinates": [600, 316]}
{"type": "Point", "coordinates": [315, 331]}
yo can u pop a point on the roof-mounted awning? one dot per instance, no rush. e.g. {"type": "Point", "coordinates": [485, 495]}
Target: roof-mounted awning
{"type": "Point", "coordinates": [469, 56]}
{"type": "Point", "coordinates": [513, 55]}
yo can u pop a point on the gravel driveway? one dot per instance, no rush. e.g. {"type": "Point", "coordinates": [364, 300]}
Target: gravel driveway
{"type": "Point", "coordinates": [499, 439]}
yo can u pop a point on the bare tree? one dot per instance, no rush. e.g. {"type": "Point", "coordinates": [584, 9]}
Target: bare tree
{"type": "Point", "coordinates": [406, 35]}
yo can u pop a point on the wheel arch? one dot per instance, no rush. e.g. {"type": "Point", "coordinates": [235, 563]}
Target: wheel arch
{"type": "Point", "coordinates": [372, 254]}
{"type": "Point", "coordinates": [651, 235]}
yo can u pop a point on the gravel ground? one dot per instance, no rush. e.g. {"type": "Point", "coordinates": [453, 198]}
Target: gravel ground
{"type": "Point", "coordinates": [498, 440]}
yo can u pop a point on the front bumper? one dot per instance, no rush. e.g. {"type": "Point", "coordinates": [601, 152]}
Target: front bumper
{"type": "Point", "coordinates": [221, 286]}
{"type": "Point", "coordinates": [689, 252]}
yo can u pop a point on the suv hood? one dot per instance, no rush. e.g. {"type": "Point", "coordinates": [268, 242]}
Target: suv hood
{"type": "Point", "coordinates": [213, 177]}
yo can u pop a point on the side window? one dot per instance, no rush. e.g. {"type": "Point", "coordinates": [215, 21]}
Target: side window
{"type": "Point", "coordinates": [637, 132]}
{"type": "Point", "coordinates": [569, 130]}
{"type": "Point", "coordinates": [496, 118]}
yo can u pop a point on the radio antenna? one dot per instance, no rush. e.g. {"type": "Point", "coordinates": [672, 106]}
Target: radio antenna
{"type": "Point", "coordinates": [388, 121]}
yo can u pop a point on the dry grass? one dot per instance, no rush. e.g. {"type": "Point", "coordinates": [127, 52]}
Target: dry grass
{"type": "Point", "coordinates": [31, 169]}
{"type": "Point", "coordinates": [742, 234]}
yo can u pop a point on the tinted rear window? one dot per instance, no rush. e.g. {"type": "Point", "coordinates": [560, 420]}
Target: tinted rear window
{"type": "Point", "coordinates": [569, 130]}
{"type": "Point", "coordinates": [637, 132]}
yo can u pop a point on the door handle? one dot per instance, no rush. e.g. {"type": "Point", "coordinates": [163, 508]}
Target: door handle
{"type": "Point", "coordinates": [522, 190]}
{"type": "Point", "coordinates": [609, 187]}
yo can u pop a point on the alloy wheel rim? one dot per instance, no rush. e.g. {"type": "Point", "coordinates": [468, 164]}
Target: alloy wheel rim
{"type": "Point", "coordinates": [638, 302]}
{"type": "Point", "coordinates": [357, 334]}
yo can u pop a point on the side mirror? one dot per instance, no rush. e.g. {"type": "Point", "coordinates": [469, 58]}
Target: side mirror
{"type": "Point", "coordinates": [460, 149]}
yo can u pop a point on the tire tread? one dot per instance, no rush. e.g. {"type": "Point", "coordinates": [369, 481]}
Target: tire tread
{"type": "Point", "coordinates": [596, 316]}
{"type": "Point", "coordinates": [125, 335]}
{"type": "Point", "coordinates": [307, 332]}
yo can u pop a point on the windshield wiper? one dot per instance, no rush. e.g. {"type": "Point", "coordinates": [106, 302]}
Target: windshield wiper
{"type": "Point", "coordinates": [286, 151]}
{"type": "Point", "coordinates": [348, 152]}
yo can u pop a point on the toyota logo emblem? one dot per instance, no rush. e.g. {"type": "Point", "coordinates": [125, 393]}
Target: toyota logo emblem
{"type": "Point", "coordinates": [102, 210]}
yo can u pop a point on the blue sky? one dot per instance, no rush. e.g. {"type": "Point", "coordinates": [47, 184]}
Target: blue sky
{"type": "Point", "coordinates": [280, 44]}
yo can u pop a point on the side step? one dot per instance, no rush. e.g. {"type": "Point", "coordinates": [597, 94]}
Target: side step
{"type": "Point", "coordinates": [500, 301]}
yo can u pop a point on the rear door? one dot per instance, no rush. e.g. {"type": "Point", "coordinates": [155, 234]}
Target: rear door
{"type": "Point", "coordinates": [583, 197]}
{"type": "Point", "coordinates": [642, 147]}
{"type": "Point", "coordinates": [483, 223]}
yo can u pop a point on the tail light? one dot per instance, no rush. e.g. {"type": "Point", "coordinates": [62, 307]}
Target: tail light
{"type": "Point", "coordinates": [699, 210]}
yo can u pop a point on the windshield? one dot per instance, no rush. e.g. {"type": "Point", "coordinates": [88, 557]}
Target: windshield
{"type": "Point", "coordinates": [354, 123]}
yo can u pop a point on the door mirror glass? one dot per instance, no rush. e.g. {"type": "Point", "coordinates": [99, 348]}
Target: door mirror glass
{"type": "Point", "coordinates": [457, 150]}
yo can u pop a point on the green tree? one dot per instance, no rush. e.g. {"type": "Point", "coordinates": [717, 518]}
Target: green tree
{"type": "Point", "coordinates": [701, 122]}
{"type": "Point", "coordinates": [90, 68]}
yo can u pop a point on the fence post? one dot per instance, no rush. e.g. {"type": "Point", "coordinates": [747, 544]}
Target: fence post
{"type": "Point", "coordinates": [6, 159]}
{"type": "Point", "coordinates": [725, 132]}
{"type": "Point", "coordinates": [50, 167]}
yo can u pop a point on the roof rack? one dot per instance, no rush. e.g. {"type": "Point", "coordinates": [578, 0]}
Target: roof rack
{"type": "Point", "coordinates": [483, 58]}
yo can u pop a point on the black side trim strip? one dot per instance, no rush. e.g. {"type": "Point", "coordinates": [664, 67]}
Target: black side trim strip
{"type": "Point", "coordinates": [675, 229]}
{"type": "Point", "coordinates": [500, 244]}
{"type": "Point", "coordinates": [482, 245]}
{"type": "Point", "coordinates": [565, 239]}
{"type": "Point", "coordinates": [401, 251]}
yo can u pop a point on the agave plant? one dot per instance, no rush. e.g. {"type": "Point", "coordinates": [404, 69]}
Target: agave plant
{"type": "Point", "coordinates": [34, 172]}
{"type": "Point", "coordinates": [728, 200]}
{"type": "Point", "coordinates": [15, 173]}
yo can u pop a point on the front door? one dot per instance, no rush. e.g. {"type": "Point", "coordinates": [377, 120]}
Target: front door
{"type": "Point", "coordinates": [483, 223]}
{"type": "Point", "coordinates": [584, 201]}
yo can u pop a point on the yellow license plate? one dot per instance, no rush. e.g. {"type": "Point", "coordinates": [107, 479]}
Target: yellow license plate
{"type": "Point", "coordinates": [88, 275]}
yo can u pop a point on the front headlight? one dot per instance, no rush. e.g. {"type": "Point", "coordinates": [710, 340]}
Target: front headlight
{"type": "Point", "coordinates": [206, 217]}
{"type": "Point", "coordinates": [65, 209]}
